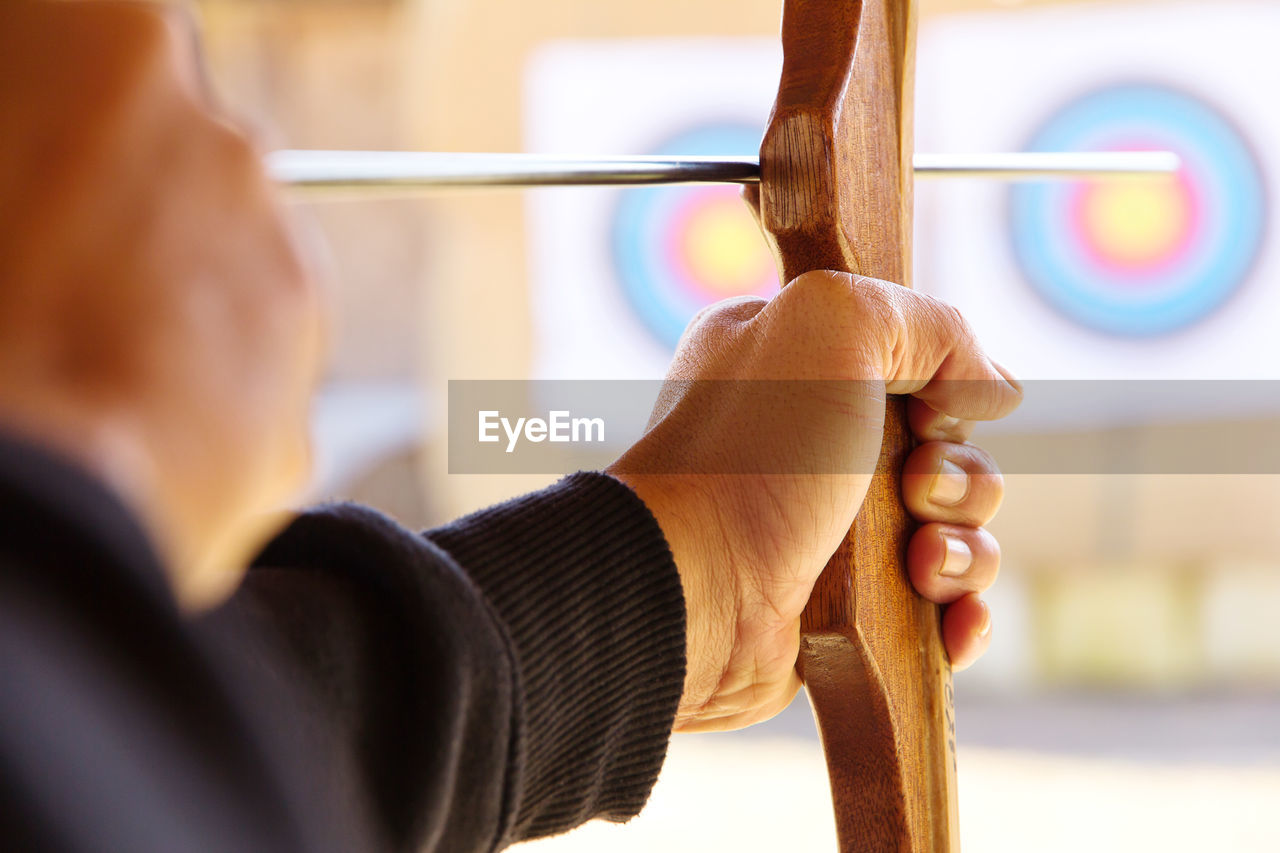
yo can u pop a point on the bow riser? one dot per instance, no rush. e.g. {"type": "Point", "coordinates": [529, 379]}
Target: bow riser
{"type": "Point", "coordinates": [836, 193]}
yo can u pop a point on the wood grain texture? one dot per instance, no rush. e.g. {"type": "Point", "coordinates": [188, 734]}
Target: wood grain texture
{"type": "Point", "coordinates": [836, 193]}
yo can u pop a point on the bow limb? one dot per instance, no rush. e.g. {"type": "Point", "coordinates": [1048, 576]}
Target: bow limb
{"type": "Point", "coordinates": [836, 193]}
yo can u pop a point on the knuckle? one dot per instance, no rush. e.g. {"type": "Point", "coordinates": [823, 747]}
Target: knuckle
{"type": "Point", "coordinates": [234, 158]}
{"type": "Point", "coordinates": [146, 35]}
{"type": "Point", "coordinates": [876, 301]}
{"type": "Point", "coordinates": [146, 24]}
{"type": "Point", "coordinates": [255, 133]}
{"type": "Point", "coordinates": [865, 301]}
{"type": "Point", "coordinates": [821, 290]}
{"type": "Point", "coordinates": [947, 325]}
{"type": "Point", "coordinates": [233, 147]}
{"type": "Point", "coordinates": [232, 155]}
{"type": "Point", "coordinates": [954, 319]}
{"type": "Point", "coordinates": [815, 281]}
{"type": "Point", "coordinates": [878, 309]}
{"type": "Point", "coordinates": [143, 57]}
{"type": "Point", "coordinates": [824, 284]}
{"type": "Point", "coordinates": [946, 315]}
{"type": "Point", "coordinates": [724, 315]}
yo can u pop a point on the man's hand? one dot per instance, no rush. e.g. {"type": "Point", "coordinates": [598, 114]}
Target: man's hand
{"type": "Point", "coordinates": [759, 455]}
{"type": "Point", "coordinates": [156, 321]}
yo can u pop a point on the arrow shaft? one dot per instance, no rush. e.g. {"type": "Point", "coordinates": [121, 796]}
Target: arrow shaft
{"type": "Point", "coordinates": [413, 170]}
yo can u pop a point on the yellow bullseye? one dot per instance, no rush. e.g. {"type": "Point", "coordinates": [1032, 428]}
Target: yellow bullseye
{"type": "Point", "coordinates": [724, 249]}
{"type": "Point", "coordinates": [1136, 222]}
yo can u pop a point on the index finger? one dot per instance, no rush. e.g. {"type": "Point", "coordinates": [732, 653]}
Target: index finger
{"type": "Point", "coordinates": [937, 359]}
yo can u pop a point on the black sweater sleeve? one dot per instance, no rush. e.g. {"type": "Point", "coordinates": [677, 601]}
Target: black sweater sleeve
{"type": "Point", "coordinates": [511, 675]}
{"type": "Point", "coordinates": [368, 688]}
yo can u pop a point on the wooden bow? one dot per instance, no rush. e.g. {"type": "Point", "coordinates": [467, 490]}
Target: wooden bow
{"type": "Point", "coordinates": [836, 193]}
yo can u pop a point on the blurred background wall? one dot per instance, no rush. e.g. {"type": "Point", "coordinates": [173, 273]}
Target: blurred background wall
{"type": "Point", "coordinates": [1133, 606]}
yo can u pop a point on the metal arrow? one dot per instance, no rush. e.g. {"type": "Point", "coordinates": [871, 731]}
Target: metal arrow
{"type": "Point", "coordinates": [417, 170]}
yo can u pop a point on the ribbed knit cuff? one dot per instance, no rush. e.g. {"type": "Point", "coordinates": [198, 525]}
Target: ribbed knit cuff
{"type": "Point", "coordinates": [582, 577]}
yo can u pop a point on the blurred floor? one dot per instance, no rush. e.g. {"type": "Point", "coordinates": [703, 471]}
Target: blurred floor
{"type": "Point", "coordinates": [1062, 773]}
{"type": "Point", "coordinates": [1230, 729]}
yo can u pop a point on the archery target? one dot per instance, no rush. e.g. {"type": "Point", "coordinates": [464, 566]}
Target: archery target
{"type": "Point", "coordinates": [617, 273]}
{"type": "Point", "coordinates": [1153, 278]}
{"type": "Point", "coordinates": [1144, 257]}
{"type": "Point", "coordinates": [678, 249]}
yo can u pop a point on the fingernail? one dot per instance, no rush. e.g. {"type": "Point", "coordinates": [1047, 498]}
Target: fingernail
{"type": "Point", "coordinates": [956, 559]}
{"type": "Point", "coordinates": [985, 628]}
{"type": "Point", "coordinates": [950, 484]}
{"type": "Point", "coordinates": [946, 424]}
{"type": "Point", "coordinates": [1007, 375]}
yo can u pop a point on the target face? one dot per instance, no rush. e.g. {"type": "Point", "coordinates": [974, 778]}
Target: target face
{"type": "Point", "coordinates": [1151, 256]}
{"type": "Point", "coordinates": [678, 249]}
